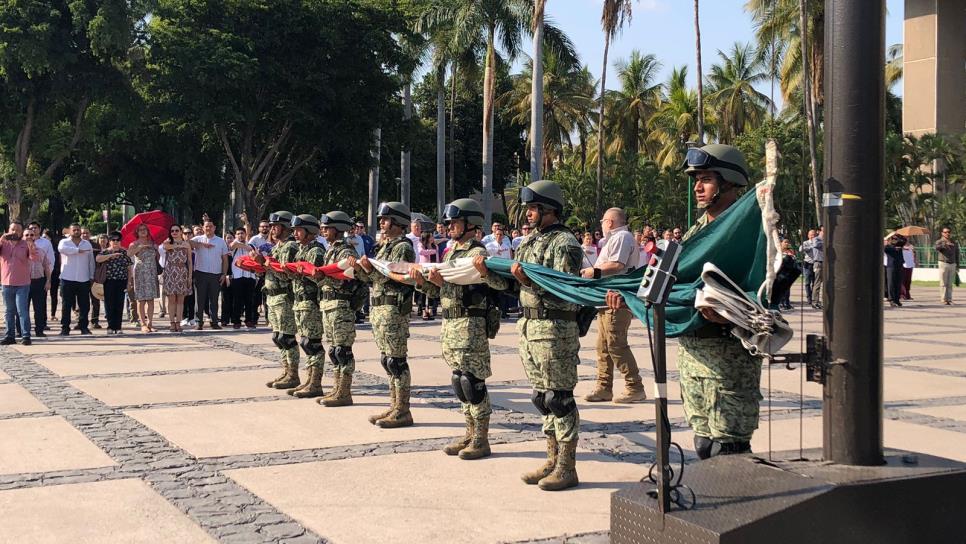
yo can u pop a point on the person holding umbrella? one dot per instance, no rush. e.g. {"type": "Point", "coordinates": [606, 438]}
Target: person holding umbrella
{"type": "Point", "coordinates": [144, 253]}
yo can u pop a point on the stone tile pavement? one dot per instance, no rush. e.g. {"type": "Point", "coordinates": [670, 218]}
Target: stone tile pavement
{"type": "Point", "coordinates": [174, 438]}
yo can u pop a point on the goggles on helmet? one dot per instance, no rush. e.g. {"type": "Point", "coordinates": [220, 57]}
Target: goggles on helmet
{"type": "Point", "coordinates": [299, 222]}
{"type": "Point", "coordinates": [528, 196]}
{"type": "Point", "coordinates": [385, 210]}
{"type": "Point", "coordinates": [276, 218]}
{"type": "Point", "coordinates": [327, 221]}
{"type": "Point", "coordinates": [451, 212]}
{"type": "Point", "coordinates": [698, 158]}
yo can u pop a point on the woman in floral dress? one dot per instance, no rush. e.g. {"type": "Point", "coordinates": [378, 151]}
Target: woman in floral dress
{"type": "Point", "coordinates": [176, 277]}
{"type": "Point", "coordinates": [145, 256]}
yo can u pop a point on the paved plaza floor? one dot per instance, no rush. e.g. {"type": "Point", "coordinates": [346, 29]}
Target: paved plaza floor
{"type": "Point", "coordinates": [175, 438]}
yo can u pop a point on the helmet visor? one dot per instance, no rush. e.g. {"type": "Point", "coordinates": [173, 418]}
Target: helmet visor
{"type": "Point", "coordinates": [386, 211]}
{"type": "Point", "coordinates": [276, 218]}
{"type": "Point", "coordinates": [700, 159]}
{"type": "Point", "coordinates": [451, 212]}
{"type": "Point", "coordinates": [327, 221]}
{"type": "Point", "coordinates": [529, 196]}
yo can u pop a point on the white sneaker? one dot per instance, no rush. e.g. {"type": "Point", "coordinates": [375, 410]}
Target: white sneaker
{"type": "Point", "coordinates": [184, 321]}
{"type": "Point", "coordinates": [193, 323]}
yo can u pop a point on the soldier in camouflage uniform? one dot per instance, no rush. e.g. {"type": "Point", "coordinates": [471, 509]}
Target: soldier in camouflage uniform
{"type": "Point", "coordinates": [335, 302]}
{"type": "Point", "coordinates": [549, 340]}
{"type": "Point", "coordinates": [392, 302]}
{"type": "Point", "coordinates": [308, 318]}
{"type": "Point", "coordinates": [720, 380]}
{"type": "Point", "coordinates": [278, 296]}
{"type": "Point", "coordinates": [466, 348]}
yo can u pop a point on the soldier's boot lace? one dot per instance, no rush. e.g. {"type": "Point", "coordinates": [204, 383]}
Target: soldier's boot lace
{"type": "Point", "coordinates": [284, 372]}
{"type": "Point", "coordinates": [479, 447]}
{"type": "Point", "coordinates": [344, 388]}
{"type": "Point", "coordinates": [291, 378]}
{"type": "Point", "coordinates": [313, 386]}
{"type": "Point", "coordinates": [534, 477]}
{"type": "Point", "coordinates": [392, 405]}
{"type": "Point", "coordinates": [336, 384]}
{"type": "Point", "coordinates": [454, 447]}
{"type": "Point", "coordinates": [400, 416]}
{"type": "Point", "coordinates": [564, 475]}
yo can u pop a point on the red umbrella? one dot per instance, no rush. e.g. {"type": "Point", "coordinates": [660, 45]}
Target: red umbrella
{"type": "Point", "coordinates": [158, 223]}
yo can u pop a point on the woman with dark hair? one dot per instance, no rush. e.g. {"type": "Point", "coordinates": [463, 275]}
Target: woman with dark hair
{"type": "Point", "coordinates": [176, 276]}
{"type": "Point", "coordinates": [117, 262]}
{"type": "Point", "coordinates": [428, 253]}
{"type": "Point", "coordinates": [145, 256]}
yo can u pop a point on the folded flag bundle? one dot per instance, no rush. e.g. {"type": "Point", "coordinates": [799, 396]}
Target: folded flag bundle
{"type": "Point", "coordinates": [247, 263]}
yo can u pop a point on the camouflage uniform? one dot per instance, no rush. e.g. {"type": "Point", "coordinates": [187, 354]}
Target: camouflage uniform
{"type": "Point", "coordinates": [720, 381]}
{"type": "Point", "coordinates": [338, 320]}
{"type": "Point", "coordinates": [308, 320]}
{"type": "Point", "coordinates": [466, 348]}
{"type": "Point", "coordinates": [390, 307]}
{"type": "Point", "coordinates": [281, 314]}
{"type": "Point", "coordinates": [548, 347]}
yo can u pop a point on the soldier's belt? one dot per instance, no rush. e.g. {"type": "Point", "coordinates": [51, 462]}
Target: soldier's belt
{"type": "Point", "coordinates": [712, 330]}
{"type": "Point", "coordinates": [332, 295]}
{"type": "Point", "coordinates": [546, 313]}
{"type": "Point", "coordinates": [276, 291]}
{"type": "Point", "coordinates": [385, 300]}
{"type": "Point", "coordinates": [456, 313]}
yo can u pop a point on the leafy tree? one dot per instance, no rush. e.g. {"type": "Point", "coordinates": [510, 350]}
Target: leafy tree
{"type": "Point", "coordinates": [281, 86]}
{"type": "Point", "coordinates": [738, 104]}
{"type": "Point", "coordinates": [633, 104]}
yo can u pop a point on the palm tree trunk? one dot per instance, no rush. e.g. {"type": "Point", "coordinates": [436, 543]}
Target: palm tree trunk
{"type": "Point", "coordinates": [406, 159]}
{"type": "Point", "coordinates": [452, 134]}
{"type": "Point", "coordinates": [536, 107]}
{"type": "Point", "coordinates": [697, 50]}
{"type": "Point", "coordinates": [374, 154]}
{"type": "Point", "coordinates": [440, 140]}
{"type": "Point", "coordinates": [488, 89]}
{"type": "Point", "coordinates": [598, 201]}
{"type": "Point", "coordinates": [809, 110]}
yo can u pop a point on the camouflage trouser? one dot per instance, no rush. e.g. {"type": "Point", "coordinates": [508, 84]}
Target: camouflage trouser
{"type": "Point", "coordinates": [466, 348]}
{"type": "Point", "coordinates": [720, 387]}
{"type": "Point", "coordinates": [308, 320]}
{"type": "Point", "coordinates": [281, 316]}
{"type": "Point", "coordinates": [390, 326]}
{"type": "Point", "coordinates": [549, 353]}
{"type": "Point", "coordinates": [339, 321]}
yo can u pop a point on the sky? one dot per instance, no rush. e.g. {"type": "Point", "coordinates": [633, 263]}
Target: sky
{"type": "Point", "coordinates": [666, 29]}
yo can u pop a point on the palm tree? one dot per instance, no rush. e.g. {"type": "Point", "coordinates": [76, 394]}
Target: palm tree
{"type": "Point", "coordinates": [700, 73]}
{"type": "Point", "coordinates": [507, 20]}
{"type": "Point", "coordinates": [536, 117]}
{"type": "Point", "coordinates": [567, 99]}
{"type": "Point", "coordinates": [893, 69]}
{"type": "Point", "coordinates": [738, 104]}
{"type": "Point", "coordinates": [632, 106]}
{"type": "Point", "coordinates": [613, 16]}
{"type": "Point", "coordinates": [675, 123]}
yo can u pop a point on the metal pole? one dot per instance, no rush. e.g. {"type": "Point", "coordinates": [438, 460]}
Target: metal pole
{"type": "Point", "coordinates": [853, 220]}
{"type": "Point", "coordinates": [374, 155]}
{"type": "Point", "coordinates": [660, 409]}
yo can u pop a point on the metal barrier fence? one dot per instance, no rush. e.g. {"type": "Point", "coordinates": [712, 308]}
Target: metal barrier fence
{"type": "Point", "coordinates": [926, 257]}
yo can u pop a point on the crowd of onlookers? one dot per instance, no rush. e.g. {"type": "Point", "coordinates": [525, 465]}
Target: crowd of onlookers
{"type": "Point", "coordinates": [192, 273]}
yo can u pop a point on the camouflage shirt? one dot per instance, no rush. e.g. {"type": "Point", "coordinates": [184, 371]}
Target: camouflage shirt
{"type": "Point", "coordinates": [556, 248]}
{"type": "Point", "coordinates": [337, 251]}
{"type": "Point", "coordinates": [396, 250]}
{"type": "Point", "coordinates": [304, 287]}
{"type": "Point", "coordinates": [451, 294]}
{"type": "Point", "coordinates": [284, 253]}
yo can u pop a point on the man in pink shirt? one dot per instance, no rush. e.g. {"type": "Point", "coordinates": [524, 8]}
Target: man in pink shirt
{"type": "Point", "coordinates": [15, 256]}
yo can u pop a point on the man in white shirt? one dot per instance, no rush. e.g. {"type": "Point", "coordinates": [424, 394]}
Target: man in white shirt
{"type": "Point", "coordinates": [210, 272]}
{"type": "Point", "coordinates": [76, 255]}
{"type": "Point", "coordinates": [619, 254]}
{"type": "Point", "coordinates": [489, 237]}
{"type": "Point", "coordinates": [38, 289]}
{"type": "Point", "coordinates": [245, 300]}
{"type": "Point", "coordinates": [415, 231]}
{"type": "Point", "coordinates": [499, 244]}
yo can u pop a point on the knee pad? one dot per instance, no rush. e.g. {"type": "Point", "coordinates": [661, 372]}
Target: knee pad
{"type": "Point", "coordinates": [311, 346]}
{"type": "Point", "coordinates": [277, 340]}
{"type": "Point", "coordinates": [703, 446]}
{"type": "Point", "coordinates": [561, 402]}
{"type": "Point", "coordinates": [332, 357]}
{"type": "Point", "coordinates": [384, 361]}
{"type": "Point", "coordinates": [288, 341]}
{"type": "Point", "coordinates": [344, 354]}
{"type": "Point", "coordinates": [397, 366]}
{"type": "Point", "coordinates": [734, 448]}
{"type": "Point", "coordinates": [457, 386]}
{"type": "Point", "coordinates": [538, 398]}
{"type": "Point", "coordinates": [473, 388]}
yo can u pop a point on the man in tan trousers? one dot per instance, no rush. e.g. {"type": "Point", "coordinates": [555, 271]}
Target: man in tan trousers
{"type": "Point", "coordinates": [619, 254]}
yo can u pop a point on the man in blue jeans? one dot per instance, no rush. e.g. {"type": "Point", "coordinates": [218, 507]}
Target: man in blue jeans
{"type": "Point", "coordinates": [15, 256]}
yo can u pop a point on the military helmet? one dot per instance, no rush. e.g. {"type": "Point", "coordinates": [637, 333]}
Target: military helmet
{"type": "Point", "coordinates": [340, 221]}
{"type": "Point", "coordinates": [397, 212]}
{"type": "Point", "coordinates": [307, 222]}
{"type": "Point", "coordinates": [283, 218]}
{"type": "Point", "coordinates": [726, 160]}
{"type": "Point", "coordinates": [544, 192]}
{"type": "Point", "coordinates": [464, 208]}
